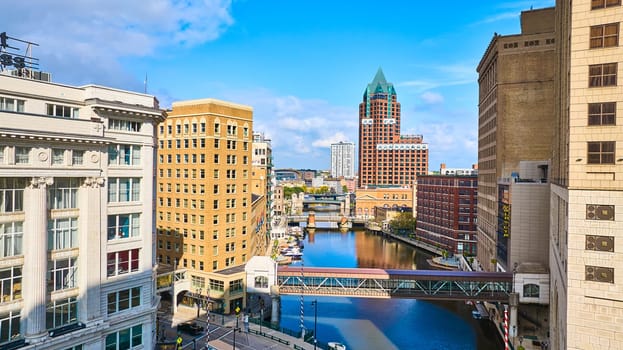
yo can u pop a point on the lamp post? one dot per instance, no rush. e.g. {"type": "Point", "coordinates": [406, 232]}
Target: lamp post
{"type": "Point", "coordinates": [315, 304]}
{"type": "Point", "coordinates": [261, 319]}
{"type": "Point", "coordinates": [198, 301]}
{"type": "Point", "coordinates": [208, 323]}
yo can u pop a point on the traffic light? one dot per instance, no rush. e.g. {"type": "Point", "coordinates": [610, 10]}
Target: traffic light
{"type": "Point", "coordinates": [237, 311]}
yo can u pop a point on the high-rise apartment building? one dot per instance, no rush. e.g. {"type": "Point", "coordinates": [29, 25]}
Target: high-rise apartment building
{"type": "Point", "coordinates": [263, 185]}
{"type": "Point", "coordinates": [387, 158]}
{"type": "Point", "coordinates": [515, 123]}
{"type": "Point", "coordinates": [76, 216]}
{"type": "Point", "coordinates": [343, 160]}
{"type": "Point", "coordinates": [204, 199]}
{"type": "Point", "coordinates": [586, 221]}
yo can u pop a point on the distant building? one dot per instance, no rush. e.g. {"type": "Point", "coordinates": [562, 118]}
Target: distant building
{"type": "Point", "coordinates": [343, 160]}
{"type": "Point", "coordinates": [263, 181]}
{"type": "Point", "coordinates": [443, 170]}
{"type": "Point", "coordinates": [76, 216]}
{"type": "Point", "coordinates": [387, 158]}
{"type": "Point", "coordinates": [393, 197]}
{"type": "Point", "coordinates": [446, 212]}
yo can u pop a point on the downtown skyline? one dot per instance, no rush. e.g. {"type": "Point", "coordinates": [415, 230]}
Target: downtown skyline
{"type": "Point", "coordinates": [302, 66]}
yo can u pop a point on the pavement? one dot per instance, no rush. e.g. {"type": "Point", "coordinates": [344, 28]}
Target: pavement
{"type": "Point", "coordinates": [222, 335]}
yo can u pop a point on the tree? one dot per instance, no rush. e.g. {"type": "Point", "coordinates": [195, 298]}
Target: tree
{"type": "Point", "coordinates": [288, 191]}
{"type": "Point", "coordinates": [403, 223]}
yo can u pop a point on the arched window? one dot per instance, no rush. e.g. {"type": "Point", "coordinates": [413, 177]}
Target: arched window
{"type": "Point", "coordinates": [261, 282]}
{"type": "Point", "coordinates": [531, 290]}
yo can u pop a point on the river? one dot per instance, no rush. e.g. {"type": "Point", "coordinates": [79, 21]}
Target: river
{"type": "Point", "coordinates": [386, 324]}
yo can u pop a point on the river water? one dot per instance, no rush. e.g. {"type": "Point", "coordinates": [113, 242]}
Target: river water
{"type": "Point", "coordinates": [386, 324]}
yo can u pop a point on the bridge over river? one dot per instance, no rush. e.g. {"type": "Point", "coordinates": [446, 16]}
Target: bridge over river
{"type": "Point", "coordinates": [380, 283]}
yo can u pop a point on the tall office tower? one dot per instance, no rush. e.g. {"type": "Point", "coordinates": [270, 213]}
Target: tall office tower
{"type": "Point", "coordinates": [263, 184]}
{"type": "Point", "coordinates": [586, 260]}
{"type": "Point", "coordinates": [387, 158]}
{"type": "Point", "coordinates": [343, 160]}
{"type": "Point", "coordinates": [515, 123]}
{"type": "Point", "coordinates": [76, 222]}
{"type": "Point", "coordinates": [204, 199]}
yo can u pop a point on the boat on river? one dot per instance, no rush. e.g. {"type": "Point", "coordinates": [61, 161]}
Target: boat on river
{"type": "Point", "coordinates": [336, 346]}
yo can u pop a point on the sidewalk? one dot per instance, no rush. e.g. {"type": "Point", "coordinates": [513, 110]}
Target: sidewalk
{"type": "Point", "coordinates": [222, 335]}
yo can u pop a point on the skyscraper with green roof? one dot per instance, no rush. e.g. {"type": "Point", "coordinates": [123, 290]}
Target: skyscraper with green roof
{"type": "Point", "coordinates": [387, 158]}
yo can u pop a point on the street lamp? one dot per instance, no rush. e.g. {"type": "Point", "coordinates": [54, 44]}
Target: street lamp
{"type": "Point", "coordinates": [198, 301]}
{"type": "Point", "coordinates": [208, 323]}
{"type": "Point", "coordinates": [315, 304]}
{"type": "Point", "coordinates": [261, 319]}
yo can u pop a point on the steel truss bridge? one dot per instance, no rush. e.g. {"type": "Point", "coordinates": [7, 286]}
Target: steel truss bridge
{"type": "Point", "coordinates": [379, 283]}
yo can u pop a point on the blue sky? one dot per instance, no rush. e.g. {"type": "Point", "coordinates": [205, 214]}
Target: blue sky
{"type": "Point", "coordinates": [302, 65]}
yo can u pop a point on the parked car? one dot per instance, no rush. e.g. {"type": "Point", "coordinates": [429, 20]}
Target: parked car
{"type": "Point", "coordinates": [191, 328]}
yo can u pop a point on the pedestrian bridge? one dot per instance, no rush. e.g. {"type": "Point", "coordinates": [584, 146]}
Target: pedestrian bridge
{"type": "Point", "coordinates": [380, 283]}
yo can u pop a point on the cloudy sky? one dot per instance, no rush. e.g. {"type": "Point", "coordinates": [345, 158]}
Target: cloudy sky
{"type": "Point", "coordinates": [302, 65]}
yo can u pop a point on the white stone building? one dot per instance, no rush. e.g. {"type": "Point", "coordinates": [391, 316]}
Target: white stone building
{"type": "Point", "coordinates": [343, 160]}
{"type": "Point", "coordinates": [76, 216]}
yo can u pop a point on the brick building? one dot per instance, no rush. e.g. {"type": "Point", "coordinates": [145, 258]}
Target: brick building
{"type": "Point", "coordinates": [446, 212]}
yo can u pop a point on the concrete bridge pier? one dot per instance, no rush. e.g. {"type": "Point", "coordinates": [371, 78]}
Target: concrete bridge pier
{"type": "Point", "coordinates": [275, 303]}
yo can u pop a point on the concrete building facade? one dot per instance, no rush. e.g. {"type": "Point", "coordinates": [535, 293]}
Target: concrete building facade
{"type": "Point", "coordinates": [343, 160]}
{"type": "Point", "coordinates": [586, 251]}
{"type": "Point", "coordinates": [387, 158]}
{"type": "Point", "coordinates": [76, 218]}
{"type": "Point", "coordinates": [516, 117]}
{"type": "Point", "coordinates": [204, 204]}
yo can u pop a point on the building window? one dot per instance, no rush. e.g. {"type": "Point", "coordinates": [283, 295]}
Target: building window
{"type": "Point", "coordinates": [261, 282]}
{"type": "Point", "coordinates": [61, 274]}
{"type": "Point", "coordinates": [62, 111]}
{"type": "Point", "coordinates": [11, 283]}
{"type": "Point", "coordinates": [235, 286]}
{"type": "Point", "coordinates": [602, 75]}
{"type": "Point", "coordinates": [601, 152]}
{"type": "Point", "coordinates": [604, 35]}
{"type": "Point", "coordinates": [11, 234]}
{"type": "Point", "coordinates": [77, 157]}
{"type": "Point", "coordinates": [217, 285]}
{"type": "Point", "coordinates": [124, 226]}
{"type": "Point", "coordinates": [124, 125]}
{"type": "Point", "coordinates": [602, 113]}
{"type": "Point", "coordinates": [62, 233]}
{"type": "Point", "coordinates": [61, 312]}
{"type": "Point", "coordinates": [11, 104]}
{"type": "Point", "coordinates": [129, 338]}
{"type": "Point", "coordinates": [197, 282]}
{"type": "Point", "coordinates": [124, 155]}
{"type": "Point", "coordinates": [12, 194]}
{"type": "Point", "coordinates": [600, 4]}
{"type": "Point", "coordinates": [9, 326]}
{"type": "Point", "coordinates": [122, 262]}
{"type": "Point", "coordinates": [63, 193]}
{"type": "Point", "coordinates": [124, 189]}
{"type": "Point", "coordinates": [58, 156]}
{"type": "Point", "coordinates": [22, 155]}
{"type": "Point", "coordinates": [124, 299]}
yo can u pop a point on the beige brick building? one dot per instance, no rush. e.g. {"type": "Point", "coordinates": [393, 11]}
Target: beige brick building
{"type": "Point", "coordinates": [204, 199]}
{"type": "Point", "coordinates": [586, 230]}
{"type": "Point", "coordinates": [516, 119]}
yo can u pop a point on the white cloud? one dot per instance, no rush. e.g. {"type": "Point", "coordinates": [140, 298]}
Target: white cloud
{"type": "Point", "coordinates": [326, 142]}
{"type": "Point", "coordinates": [300, 129]}
{"type": "Point", "coordinates": [83, 41]}
{"type": "Point", "coordinates": [431, 97]}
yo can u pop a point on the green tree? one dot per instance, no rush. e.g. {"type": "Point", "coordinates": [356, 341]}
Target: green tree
{"type": "Point", "coordinates": [403, 223]}
{"type": "Point", "coordinates": [344, 189]}
{"type": "Point", "coordinates": [288, 191]}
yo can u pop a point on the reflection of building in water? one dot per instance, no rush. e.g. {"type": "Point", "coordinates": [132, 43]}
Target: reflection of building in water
{"type": "Point", "coordinates": [385, 254]}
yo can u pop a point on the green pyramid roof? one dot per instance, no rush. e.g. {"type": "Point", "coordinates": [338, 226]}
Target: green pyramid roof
{"type": "Point", "coordinates": [380, 85]}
